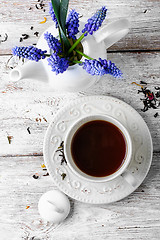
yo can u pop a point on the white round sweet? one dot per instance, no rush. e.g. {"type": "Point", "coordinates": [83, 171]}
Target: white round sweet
{"type": "Point", "coordinates": [54, 206]}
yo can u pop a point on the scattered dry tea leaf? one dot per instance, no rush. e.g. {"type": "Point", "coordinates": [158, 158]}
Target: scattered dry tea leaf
{"type": "Point", "coordinates": [47, 174]}
{"type": "Point", "coordinates": [44, 119]}
{"type": "Point", "coordinates": [137, 84]}
{"type": "Point", "coordinates": [156, 114]}
{"type": "Point", "coordinates": [4, 38]}
{"type": "Point", "coordinates": [151, 98]}
{"type": "Point", "coordinates": [143, 82]}
{"type": "Point", "coordinates": [45, 19]}
{"type": "Point", "coordinates": [61, 152]}
{"type": "Point", "coordinates": [63, 175]}
{"type": "Point", "coordinates": [28, 129]}
{"type": "Point", "coordinates": [40, 5]}
{"type": "Point", "coordinates": [10, 139]}
{"type": "Point", "coordinates": [38, 119]}
{"type": "Point", "coordinates": [25, 36]}
{"type": "Point", "coordinates": [36, 34]}
{"type": "Point", "coordinates": [36, 176]}
{"type": "Point", "coordinates": [43, 166]}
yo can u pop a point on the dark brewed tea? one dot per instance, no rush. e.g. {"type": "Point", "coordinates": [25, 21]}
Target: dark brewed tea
{"type": "Point", "coordinates": [98, 148]}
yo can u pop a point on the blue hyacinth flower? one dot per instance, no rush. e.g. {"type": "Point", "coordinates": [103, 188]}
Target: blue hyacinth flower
{"type": "Point", "coordinates": [110, 68]}
{"type": "Point", "coordinates": [53, 42]}
{"type": "Point", "coordinates": [72, 24]}
{"type": "Point", "coordinates": [58, 65]}
{"type": "Point", "coordinates": [31, 53]}
{"type": "Point", "coordinates": [95, 21]}
{"type": "Point", "coordinates": [53, 16]}
{"type": "Point", "coordinates": [93, 67]}
{"type": "Point", "coordinates": [101, 67]}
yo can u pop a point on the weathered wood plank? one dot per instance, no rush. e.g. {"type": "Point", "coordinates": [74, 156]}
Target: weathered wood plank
{"type": "Point", "coordinates": [134, 217]}
{"type": "Point", "coordinates": [30, 104]}
{"type": "Point", "coordinates": [143, 15]}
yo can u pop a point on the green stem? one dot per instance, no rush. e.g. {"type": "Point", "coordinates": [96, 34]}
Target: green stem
{"type": "Point", "coordinates": [76, 43]}
{"type": "Point", "coordinates": [75, 61]}
{"type": "Point", "coordinates": [83, 54]}
{"type": "Point", "coordinates": [47, 55]}
{"type": "Point", "coordinates": [60, 37]}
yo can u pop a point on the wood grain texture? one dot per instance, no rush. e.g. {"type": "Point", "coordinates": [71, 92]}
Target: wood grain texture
{"type": "Point", "coordinates": [31, 104]}
{"type": "Point", "coordinates": [134, 217]}
{"type": "Point", "coordinates": [16, 19]}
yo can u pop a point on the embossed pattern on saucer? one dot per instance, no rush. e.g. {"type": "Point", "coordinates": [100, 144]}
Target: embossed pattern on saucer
{"type": "Point", "coordinates": [105, 192]}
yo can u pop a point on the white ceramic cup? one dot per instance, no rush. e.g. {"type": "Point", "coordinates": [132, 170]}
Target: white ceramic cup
{"type": "Point", "coordinates": [126, 161]}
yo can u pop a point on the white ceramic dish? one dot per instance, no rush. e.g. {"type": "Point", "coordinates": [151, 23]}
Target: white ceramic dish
{"type": "Point", "coordinates": [98, 192]}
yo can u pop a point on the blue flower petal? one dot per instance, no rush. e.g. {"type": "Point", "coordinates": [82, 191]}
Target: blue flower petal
{"type": "Point", "coordinates": [101, 67]}
{"type": "Point", "coordinates": [72, 24]}
{"type": "Point", "coordinates": [95, 21]}
{"type": "Point", "coordinates": [31, 53]}
{"type": "Point", "coordinates": [59, 65]}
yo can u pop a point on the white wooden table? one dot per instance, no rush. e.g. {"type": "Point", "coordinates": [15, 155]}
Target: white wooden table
{"type": "Point", "coordinates": [30, 105]}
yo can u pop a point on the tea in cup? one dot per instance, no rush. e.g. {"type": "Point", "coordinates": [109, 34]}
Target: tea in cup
{"type": "Point", "coordinates": [98, 148]}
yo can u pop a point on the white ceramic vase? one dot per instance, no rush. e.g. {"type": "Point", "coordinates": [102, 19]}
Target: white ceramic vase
{"type": "Point", "coordinates": [75, 78]}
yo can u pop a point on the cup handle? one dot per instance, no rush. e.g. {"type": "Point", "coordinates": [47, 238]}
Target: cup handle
{"type": "Point", "coordinates": [128, 177]}
{"type": "Point", "coordinates": [112, 32]}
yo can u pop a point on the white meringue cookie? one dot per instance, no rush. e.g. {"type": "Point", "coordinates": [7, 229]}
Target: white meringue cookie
{"type": "Point", "coordinates": [54, 206]}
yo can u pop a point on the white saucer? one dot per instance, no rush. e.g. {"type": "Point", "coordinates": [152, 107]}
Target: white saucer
{"type": "Point", "coordinates": [100, 192]}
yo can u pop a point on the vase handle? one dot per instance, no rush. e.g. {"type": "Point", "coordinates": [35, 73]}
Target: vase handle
{"type": "Point", "coordinates": [112, 32]}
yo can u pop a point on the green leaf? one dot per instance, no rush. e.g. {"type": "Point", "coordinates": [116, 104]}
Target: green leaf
{"type": "Point", "coordinates": [63, 13]}
{"type": "Point", "coordinates": [56, 7]}
{"type": "Point", "coordinates": [65, 41]}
